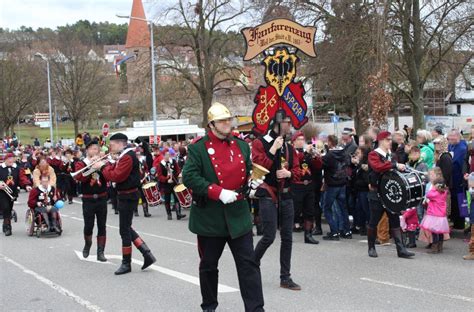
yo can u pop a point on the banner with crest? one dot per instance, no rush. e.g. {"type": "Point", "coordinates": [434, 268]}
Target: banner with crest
{"type": "Point", "coordinates": [281, 91]}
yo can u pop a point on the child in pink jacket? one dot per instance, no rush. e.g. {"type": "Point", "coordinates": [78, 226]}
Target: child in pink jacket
{"type": "Point", "coordinates": [435, 221]}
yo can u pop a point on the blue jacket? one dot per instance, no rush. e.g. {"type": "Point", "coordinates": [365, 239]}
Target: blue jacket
{"type": "Point", "coordinates": [459, 153]}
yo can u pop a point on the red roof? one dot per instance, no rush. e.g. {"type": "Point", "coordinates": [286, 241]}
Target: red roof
{"type": "Point", "coordinates": [138, 34]}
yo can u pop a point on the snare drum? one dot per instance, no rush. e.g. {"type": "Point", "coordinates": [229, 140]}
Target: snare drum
{"type": "Point", "coordinates": [399, 191]}
{"type": "Point", "coordinates": [152, 194]}
{"type": "Point", "coordinates": [184, 195]}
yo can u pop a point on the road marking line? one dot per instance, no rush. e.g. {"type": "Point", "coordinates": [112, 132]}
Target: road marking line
{"type": "Point", "coordinates": [91, 258]}
{"type": "Point", "coordinates": [182, 276]}
{"type": "Point", "coordinates": [458, 297]}
{"type": "Point", "coordinates": [63, 291]}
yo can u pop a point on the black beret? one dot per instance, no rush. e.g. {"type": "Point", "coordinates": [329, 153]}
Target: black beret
{"type": "Point", "coordinates": [119, 136]}
{"type": "Point", "coordinates": [92, 142]}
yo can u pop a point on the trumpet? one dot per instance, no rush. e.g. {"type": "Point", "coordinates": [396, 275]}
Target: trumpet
{"type": "Point", "coordinates": [88, 170]}
{"type": "Point", "coordinates": [7, 190]}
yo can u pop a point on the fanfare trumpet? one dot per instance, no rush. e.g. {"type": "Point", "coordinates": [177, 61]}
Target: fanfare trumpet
{"type": "Point", "coordinates": [7, 190]}
{"type": "Point", "coordinates": [88, 170]}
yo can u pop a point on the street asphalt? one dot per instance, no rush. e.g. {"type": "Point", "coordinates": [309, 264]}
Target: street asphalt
{"type": "Point", "coordinates": [49, 273]}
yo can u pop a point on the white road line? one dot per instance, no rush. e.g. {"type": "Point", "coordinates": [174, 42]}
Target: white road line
{"type": "Point", "coordinates": [182, 276]}
{"type": "Point", "coordinates": [63, 291]}
{"type": "Point", "coordinates": [457, 297]}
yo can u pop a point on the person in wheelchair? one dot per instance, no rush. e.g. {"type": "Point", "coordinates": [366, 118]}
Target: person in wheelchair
{"type": "Point", "coordinates": [42, 199]}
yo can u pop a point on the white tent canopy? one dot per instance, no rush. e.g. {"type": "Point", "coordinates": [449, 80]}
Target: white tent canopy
{"type": "Point", "coordinates": [133, 133]}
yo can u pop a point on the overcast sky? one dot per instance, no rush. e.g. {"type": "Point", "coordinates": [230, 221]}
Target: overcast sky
{"type": "Point", "coordinates": [53, 13]}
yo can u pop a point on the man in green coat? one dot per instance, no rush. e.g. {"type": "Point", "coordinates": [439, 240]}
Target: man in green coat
{"type": "Point", "coordinates": [217, 171]}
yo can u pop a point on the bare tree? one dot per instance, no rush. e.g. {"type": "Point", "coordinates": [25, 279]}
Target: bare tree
{"type": "Point", "coordinates": [20, 88]}
{"type": "Point", "coordinates": [203, 28]}
{"type": "Point", "coordinates": [80, 81]}
{"type": "Point", "coordinates": [422, 33]}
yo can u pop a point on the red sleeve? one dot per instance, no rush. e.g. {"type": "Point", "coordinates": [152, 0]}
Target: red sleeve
{"type": "Point", "coordinates": [214, 191]}
{"type": "Point", "coordinates": [24, 181]}
{"type": "Point", "coordinates": [295, 169]}
{"type": "Point", "coordinates": [120, 171]}
{"type": "Point", "coordinates": [34, 162]}
{"type": "Point", "coordinates": [32, 198]}
{"type": "Point", "coordinates": [159, 173]}
{"type": "Point", "coordinates": [260, 156]}
{"type": "Point", "coordinates": [79, 165]}
{"type": "Point", "coordinates": [377, 164]}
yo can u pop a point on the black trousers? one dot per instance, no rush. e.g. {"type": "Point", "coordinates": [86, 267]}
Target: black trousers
{"type": "Point", "coordinates": [377, 210]}
{"type": "Point", "coordinates": [93, 209]}
{"type": "Point", "coordinates": [6, 205]}
{"type": "Point", "coordinates": [126, 207]}
{"type": "Point", "coordinates": [303, 202]}
{"type": "Point", "coordinates": [113, 197]}
{"type": "Point", "coordinates": [250, 281]}
{"type": "Point", "coordinates": [269, 217]}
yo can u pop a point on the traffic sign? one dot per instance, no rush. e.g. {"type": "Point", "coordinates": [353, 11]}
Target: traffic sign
{"type": "Point", "coordinates": [334, 118]}
{"type": "Point", "coordinates": [152, 139]}
{"type": "Point", "coordinates": [105, 129]}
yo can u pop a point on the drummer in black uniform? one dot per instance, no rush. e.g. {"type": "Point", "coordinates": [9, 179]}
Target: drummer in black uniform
{"type": "Point", "coordinates": [381, 161]}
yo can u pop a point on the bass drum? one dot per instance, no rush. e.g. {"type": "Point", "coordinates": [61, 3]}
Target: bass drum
{"type": "Point", "coordinates": [399, 191]}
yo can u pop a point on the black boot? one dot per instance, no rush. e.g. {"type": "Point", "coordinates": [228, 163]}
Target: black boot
{"type": "Point", "coordinates": [135, 212]}
{"type": "Point", "coordinates": [116, 211]}
{"type": "Point", "coordinates": [145, 211]}
{"type": "Point", "coordinates": [168, 211]}
{"type": "Point", "coordinates": [308, 237]}
{"type": "Point", "coordinates": [179, 216]}
{"type": "Point", "coordinates": [259, 227]}
{"type": "Point", "coordinates": [87, 245]}
{"type": "Point", "coordinates": [7, 228]}
{"type": "Point", "coordinates": [371, 235]}
{"type": "Point", "coordinates": [317, 230]}
{"type": "Point", "coordinates": [411, 239]}
{"type": "Point", "coordinates": [126, 266]}
{"type": "Point", "coordinates": [148, 257]}
{"type": "Point", "coordinates": [402, 252]}
{"type": "Point", "coordinates": [100, 248]}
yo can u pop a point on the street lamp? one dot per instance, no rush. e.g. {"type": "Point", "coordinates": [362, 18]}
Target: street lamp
{"type": "Point", "coordinates": [44, 58]}
{"type": "Point", "coordinates": [153, 87]}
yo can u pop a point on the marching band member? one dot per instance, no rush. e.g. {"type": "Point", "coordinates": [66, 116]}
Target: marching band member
{"type": "Point", "coordinates": [217, 167]}
{"type": "Point", "coordinates": [168, 172]}
{"type": "Point", "coordinates": [380, 161]}
{"type": "Point", "coordinates": [272, 152]}
{"type": "Point", "coordinates": [42, 199]}
{"type": "Point", "coordinates": [25, 163]}
{"type": "Point", "coordinates": [143, 167]}
{"type": "Point", "coordinates": [125, 173]}
{"type": "Point", "coordinates": [94, 202]}
{"type": "Point", "coordinates": [11, 176]}
{"type": "Point", "coordinates": [303, 188]}
{"type": "Point", "coordinates": [68, 186]}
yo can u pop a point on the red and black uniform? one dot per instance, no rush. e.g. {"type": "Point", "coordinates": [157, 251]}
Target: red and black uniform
{"type": "Point", "coordinates": [27, 167]}
{"type": "Point", "coordinates": [379, 163]}
{"type": "Point", "coordinates": [302, 188]}
{"type": "Point", "coordinates": [126, 174]}
{"type": "Point", "coordinates": [66, 184]}
{"type": "Point", "coordinates": [94, 206]}
{"type": "Point", "coordinates": [13, 177]}
{"type": "Point", "coordinates": [169, 170]}
{"type": "Point", "coordinates": [267, 193]}
{"type": "Point", "coordinates": [42, 201]}
{"type": "Point", "coordinates": [143, 168]}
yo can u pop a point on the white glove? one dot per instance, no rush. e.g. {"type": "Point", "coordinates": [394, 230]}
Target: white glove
{"type": "Point", "coordinates": [254, 184]}
{"type": "Point", "coordinates": [227, 196]}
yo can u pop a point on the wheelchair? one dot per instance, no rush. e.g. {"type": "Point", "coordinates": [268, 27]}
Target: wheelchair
{"type": "Point", "coordinates": [36, 225]}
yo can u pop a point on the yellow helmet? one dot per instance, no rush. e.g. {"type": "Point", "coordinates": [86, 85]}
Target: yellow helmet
{"type": "Point", "coordinates": [218, 111]}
